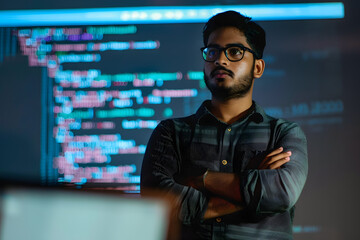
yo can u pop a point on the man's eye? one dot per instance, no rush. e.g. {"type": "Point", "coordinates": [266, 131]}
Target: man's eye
{"type": "Point", "coordinates": [234, 51]}
{"type": "Point", "coordinates": [211, 52]}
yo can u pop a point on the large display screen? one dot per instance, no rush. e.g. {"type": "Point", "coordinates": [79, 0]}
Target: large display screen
{"type": "Point", "coordinates": [80, 94]}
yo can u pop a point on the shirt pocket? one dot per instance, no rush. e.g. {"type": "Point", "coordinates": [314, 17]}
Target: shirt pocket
{"type": "Point", "coordinates": [248, 157]}
{"type": "Point", "coordinates": [204, 155]}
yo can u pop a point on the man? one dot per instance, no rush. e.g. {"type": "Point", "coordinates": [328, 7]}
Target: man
{"type": "Point", "coordinates": [237, 172]}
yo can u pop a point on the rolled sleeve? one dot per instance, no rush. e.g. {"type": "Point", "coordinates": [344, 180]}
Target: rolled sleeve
{"type": "Point", "coordinates": [160, 165]}
{"type": "Point", "coordinates": [277, 190]}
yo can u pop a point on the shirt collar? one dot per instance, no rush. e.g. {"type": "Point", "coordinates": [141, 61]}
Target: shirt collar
{"type": "Point", "coordinates": [257, 114]}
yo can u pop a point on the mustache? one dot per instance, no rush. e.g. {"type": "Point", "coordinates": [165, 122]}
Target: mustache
{"type": "Point", "coordinates": [218, 68]}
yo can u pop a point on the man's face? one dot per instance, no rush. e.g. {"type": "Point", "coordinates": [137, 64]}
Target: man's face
{"type": "Point", "coordinates": [226, 79]}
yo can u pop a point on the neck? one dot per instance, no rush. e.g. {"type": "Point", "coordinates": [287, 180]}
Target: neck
{"type": "Point", "coordinates": [231, 110]}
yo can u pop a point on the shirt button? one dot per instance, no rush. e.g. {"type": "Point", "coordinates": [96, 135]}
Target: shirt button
{"type": "Point", "coordinates": [218, 219]}
{"type": "Point", "coordinates": [224, 162]}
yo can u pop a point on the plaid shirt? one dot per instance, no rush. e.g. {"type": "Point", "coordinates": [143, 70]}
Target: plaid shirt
{"type": "Point", "coordinates": [201, 141]}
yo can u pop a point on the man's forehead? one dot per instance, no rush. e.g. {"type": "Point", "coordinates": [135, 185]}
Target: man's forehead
{"type": "Point", "coordinates": [226, 36]}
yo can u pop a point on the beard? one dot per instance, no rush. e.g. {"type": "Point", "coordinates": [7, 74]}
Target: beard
{"type": "Point", "coordinates": [241, 87]}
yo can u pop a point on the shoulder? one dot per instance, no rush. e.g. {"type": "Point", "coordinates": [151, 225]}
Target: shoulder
{"type": "Point", "coordinates": [286, 125]}
{"type": "Point", "coordinates": [277, 123]}
{"type": "Point", "coordinates": [284, 128]}
{"type": "Point", "coordinates": [177, 124]}
{"type": "Point", "coordinates": [281, 127]}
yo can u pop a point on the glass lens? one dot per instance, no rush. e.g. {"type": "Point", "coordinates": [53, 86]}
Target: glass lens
{"type": "Point", "coordinates": [234, 53]}
{"type": "Point", "coordinates": [210, 54]}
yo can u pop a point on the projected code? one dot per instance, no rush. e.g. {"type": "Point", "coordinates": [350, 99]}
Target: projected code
{"type": "Point", "coordinates": [91, 109]}
{"type": "Point", "coordinates": [104, 99]}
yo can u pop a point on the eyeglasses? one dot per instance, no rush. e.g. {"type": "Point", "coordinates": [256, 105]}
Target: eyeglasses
{"type": "Point", "coordinates": [234, 52]}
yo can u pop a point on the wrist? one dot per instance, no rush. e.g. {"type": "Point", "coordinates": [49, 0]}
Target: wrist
{"type": "Point", "coordinates": [204, 178]}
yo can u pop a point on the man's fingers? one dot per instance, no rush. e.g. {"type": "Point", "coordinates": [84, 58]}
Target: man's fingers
{"type": "Point", "coordinates": [279, 163]}
{"type": "Point", "coordinates": [274, 156]}
{"type": "Point", "coordinates": [266, 159]}
{"type": "Point", "coordinates": [274, 164]}
{"type": "Point", "coordinates": [277, 157]}
{"type": "Point", "coordinates": [276, 151]}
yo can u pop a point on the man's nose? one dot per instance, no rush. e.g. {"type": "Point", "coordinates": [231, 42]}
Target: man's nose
{"type": "Point", "coordinates": [222, 59]}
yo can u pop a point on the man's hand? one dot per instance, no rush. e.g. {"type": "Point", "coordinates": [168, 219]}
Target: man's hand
{"type": "Point", "coordinates": [275, 159]}
{"type": "Point", "coordinates": [218, 207]}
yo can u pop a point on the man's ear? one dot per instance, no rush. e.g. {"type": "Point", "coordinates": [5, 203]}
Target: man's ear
{"type": "Point", "coordinates": [259, 68]}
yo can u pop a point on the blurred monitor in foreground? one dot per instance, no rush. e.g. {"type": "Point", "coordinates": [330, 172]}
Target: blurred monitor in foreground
{"type": "Point", "coordinates": [59, 214]}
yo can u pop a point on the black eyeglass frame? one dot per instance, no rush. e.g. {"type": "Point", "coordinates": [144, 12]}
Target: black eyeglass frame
{"type": "Point", "coordinates": [223, 49]}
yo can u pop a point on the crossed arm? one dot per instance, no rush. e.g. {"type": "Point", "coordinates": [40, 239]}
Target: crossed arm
{"type": "Point", "coordinates": [227, 185]}
{"type": "Point", "coordinates": [274, 186]}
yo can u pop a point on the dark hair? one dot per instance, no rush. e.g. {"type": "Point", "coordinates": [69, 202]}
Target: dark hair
{"type": "Point", "coordinates": [254, 33]}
